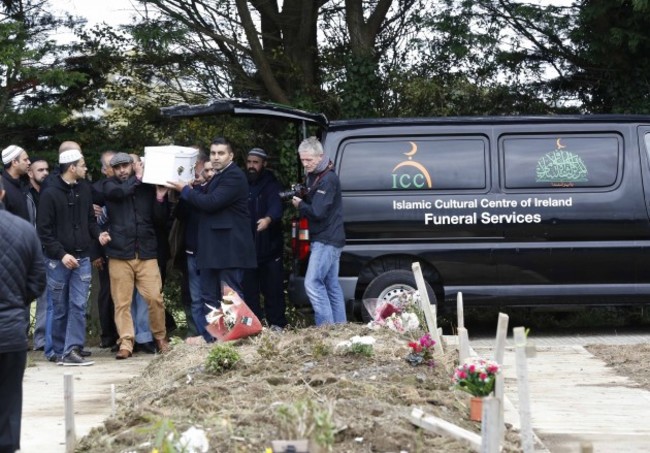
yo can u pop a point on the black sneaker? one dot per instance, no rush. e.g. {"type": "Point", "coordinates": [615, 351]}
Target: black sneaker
{"type": "Point", "coordinates": [83, 352]}
{"type": "Point", "coordinates": [147, 348]}
{"type": "Point", "coordinates": [74, 359]}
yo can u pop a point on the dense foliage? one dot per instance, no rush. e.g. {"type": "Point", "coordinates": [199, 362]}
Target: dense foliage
{"type": "Point", "coordinates": [346, 58]}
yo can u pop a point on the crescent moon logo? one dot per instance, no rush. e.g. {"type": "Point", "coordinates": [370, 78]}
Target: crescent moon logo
{"type": "Point", "coordinates": [418, 166]}
{"type": "Point", "coordinates": [559, 145]}
{"type": "Point", "coordinates": [414, 149]}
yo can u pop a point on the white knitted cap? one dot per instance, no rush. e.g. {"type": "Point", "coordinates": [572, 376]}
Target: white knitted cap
{"type": "Point", "coordinates": [72, 155]}
{"type": "Point", "coordinates": [10, 153]}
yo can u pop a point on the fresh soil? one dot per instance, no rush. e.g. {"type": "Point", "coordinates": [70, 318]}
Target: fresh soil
{"type": "Point", "coordinates": [240, 410]}
{"type": "Point", "coordinates": [632, 361]}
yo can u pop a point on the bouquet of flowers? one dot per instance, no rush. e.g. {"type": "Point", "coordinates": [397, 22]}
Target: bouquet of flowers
{"type": "Point", "coordinates": [233, 320]}
{"type": "Point", "coordinates": [476, 376]}
{"type": "Point", "coordinates": [358, 345]}
{"type": "Point", "coordinates": [421, 351]}
{"type": "Point", "coordinates": [400, 315]}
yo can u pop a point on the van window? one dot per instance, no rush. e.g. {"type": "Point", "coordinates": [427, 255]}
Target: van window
{"type": "Point", "coordinates": [561, 161]}
{"type": "Point", "coordinates": [439, 163]}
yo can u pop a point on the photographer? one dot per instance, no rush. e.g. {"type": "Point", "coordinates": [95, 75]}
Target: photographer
{"type": "Point", "coordinates": [322, 206]}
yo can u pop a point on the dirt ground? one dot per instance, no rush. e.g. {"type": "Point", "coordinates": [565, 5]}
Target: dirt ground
{"type": "Point", "coordinates": [632, 361]}
{"type": "Point", "coordinates": [300, 373]}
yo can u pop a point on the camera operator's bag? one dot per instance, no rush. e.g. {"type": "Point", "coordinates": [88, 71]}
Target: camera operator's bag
{"type": "Point", "coordinates": [233, 320]}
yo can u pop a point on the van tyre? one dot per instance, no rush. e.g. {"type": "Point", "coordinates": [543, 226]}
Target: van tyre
{"type": "Point", "coordinates": [389, 286]}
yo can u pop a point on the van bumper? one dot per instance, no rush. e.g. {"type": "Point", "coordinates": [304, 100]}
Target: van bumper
{"type": "Point", "coordinates": [298, 295]}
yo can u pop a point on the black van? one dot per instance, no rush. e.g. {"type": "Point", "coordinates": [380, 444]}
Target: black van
{"type": "Point", "coordinates": [526, 211]}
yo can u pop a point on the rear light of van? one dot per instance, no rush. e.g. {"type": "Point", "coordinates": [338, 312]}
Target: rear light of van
{"type": "Point", "coordinates": [300, 238]}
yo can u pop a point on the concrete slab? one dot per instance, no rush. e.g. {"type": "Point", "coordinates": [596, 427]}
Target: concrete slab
{"type": "Point", "coordinates": [575, 398]}
{"type": "Point", "coordinates": [43, 427]}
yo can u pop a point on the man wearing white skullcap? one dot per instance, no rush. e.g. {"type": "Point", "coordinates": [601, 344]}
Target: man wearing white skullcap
{"type": "Point", "coordinates": [68, 228]}
{"type": "Point", "coordinates": [16, 184]}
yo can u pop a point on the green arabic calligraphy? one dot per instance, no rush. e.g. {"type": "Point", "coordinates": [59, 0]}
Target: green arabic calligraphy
{"type": "Point", "coordinates": [561, 166]}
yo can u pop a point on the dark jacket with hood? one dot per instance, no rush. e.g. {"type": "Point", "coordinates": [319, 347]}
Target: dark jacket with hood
{"type": "Point", "coordinates": [15, 200]}
{"type": "Point", "coordinates": [134, 213]}
{"type": "Point", "coordinates": [264, 201]}
{"type": "Point", "coordinates": [323, 207]}
{"type": "Point", "coordinates": [66, 220]}
{"type": "Point", "coordinates": [22, 279]}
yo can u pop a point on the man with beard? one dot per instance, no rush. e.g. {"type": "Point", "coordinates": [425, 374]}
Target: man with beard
{"type": "Point", "coordinates": [38, 171]}
{"type": "Point", "coordinates": [16, 164]}
{"type": "Point", "coordinates": [134, 210]}
{"type": "Point", "coordinates": [67, 228]}
{"type": "Point", "coordinates": [226, 244]}
{"type": "Point", "coordinates": [265, 207]}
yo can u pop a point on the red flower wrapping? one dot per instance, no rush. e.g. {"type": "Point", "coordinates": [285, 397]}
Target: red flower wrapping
{"type": "Point", "coordinates": [246, 323]}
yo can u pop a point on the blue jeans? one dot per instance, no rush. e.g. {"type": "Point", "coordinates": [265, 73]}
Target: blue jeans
{"type": "Point", "coordinates": [49, 319]}
{"type": "Point", "coordinates": [140, 315]}
{"type": "Point", "coordinates": [40, 323]}
{"type": "Point", "coordinates": [322, 284]}
{"type": "Point", "coordinates": [198, 309]}
{"type": "Point", "coordinates": [68, 289]}
{"type": "Point", "coordinates": [211, 289]}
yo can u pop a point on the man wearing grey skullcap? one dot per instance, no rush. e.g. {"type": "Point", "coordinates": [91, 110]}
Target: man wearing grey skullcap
{"type": "Point", "coordinates": [135, 210]}
{"type": "Point", "coordinates": [265, 208]}
{"type": "Point", "coordinates": [16, 183]}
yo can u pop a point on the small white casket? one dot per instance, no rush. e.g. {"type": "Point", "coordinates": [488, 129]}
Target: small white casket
{"type": "Point", "coordinates": [168, 163]}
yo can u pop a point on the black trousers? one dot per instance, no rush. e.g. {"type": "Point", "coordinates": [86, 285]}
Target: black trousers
{"type": "Point", "coordinates": [12, 370]}
{"type": "Point", "coordinates": [268, 280]}
{"type": "Point", "coordinates": [106, 309]}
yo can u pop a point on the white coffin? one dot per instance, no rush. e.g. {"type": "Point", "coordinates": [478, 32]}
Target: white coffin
{"type": "Point", "coordinates": [168, 163]}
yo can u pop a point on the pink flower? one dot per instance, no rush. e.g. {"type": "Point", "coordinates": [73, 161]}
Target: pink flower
{"type": "Point", "coordinates": [483, 376]}
{"type": "Point", "coordinates": [426, 341]}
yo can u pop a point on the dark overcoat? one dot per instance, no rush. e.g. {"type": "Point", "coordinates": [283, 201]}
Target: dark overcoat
{"type": "Point", "coordinates": [225, 237]}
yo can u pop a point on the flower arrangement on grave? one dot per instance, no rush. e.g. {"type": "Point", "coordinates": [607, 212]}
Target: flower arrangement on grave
{"type": "Point", "coordinates": [402, 314]}
{"type": "Point", "coordinates": [421, 351]}
{"type": "Point", "coordinates": [476, 376]}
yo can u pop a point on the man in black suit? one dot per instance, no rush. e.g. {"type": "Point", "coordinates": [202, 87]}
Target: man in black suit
{"type": "Point", "coordinates": [225, 237]}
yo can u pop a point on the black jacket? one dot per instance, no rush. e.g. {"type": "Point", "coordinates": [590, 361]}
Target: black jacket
{"type": "Point", "coordinates": [22, 278]}
{"type": "Point", "coordinates": [133, 214]}
{"type": "Point", "coordinates": [264, 201]}
{"type": "Point", "coordinates": [323, 208]}
{"type": "Point", "coordinates": [225, 239]}
{"type": "Point", "coordinates": [66, 220]}
{"type": "Point", "coordinates": [15, 200]}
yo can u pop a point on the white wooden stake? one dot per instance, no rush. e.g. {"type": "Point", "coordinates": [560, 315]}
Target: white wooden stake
{"type": "Point", "coordinates": [459, 310]}
{"type": "Point", "coordinates": [430, 312]}
{"type": "Point", "coordinates": [522, 385]}
{"type": "Point", "coordinates": [490, 431]}
{"type": "Point", "coordinates": [463, 345]}
{"type": "Point", "coordinates": [499, 354]}
{"type": "Point", "coordinates": [113, 400]}
{"type": "Point", "coordinates": [68, 401]}
{"type": "Point", "coordinates": [442, 427]}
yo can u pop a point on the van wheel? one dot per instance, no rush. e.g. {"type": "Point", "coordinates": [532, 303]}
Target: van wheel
{"type": "Point", "coordinates": [389, 286]}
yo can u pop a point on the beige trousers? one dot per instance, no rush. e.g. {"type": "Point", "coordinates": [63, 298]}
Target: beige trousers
{"type": "Point", "coordinates": [144, 275]}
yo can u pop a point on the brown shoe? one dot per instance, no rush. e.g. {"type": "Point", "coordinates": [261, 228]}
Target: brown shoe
{"type": "Point", "coordinates": [163, 346]}
{"type": "Point", "coordinates": [123, 354]}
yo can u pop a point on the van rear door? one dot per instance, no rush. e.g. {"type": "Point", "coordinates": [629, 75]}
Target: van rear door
{"type": "Point", "coordinates": [246, 107]}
